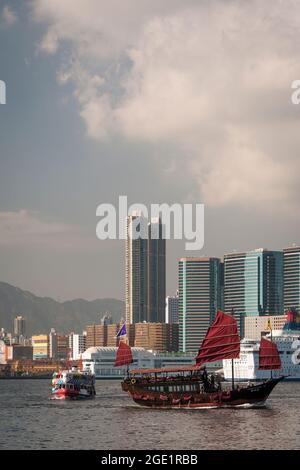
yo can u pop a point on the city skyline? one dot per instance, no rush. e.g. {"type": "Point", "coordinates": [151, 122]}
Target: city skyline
{"type": "Point", "coordinates": [133, 104]}
{"type": "Point", "coordinates": [293, 247]}
{"type": "Point", "coordinates": [252, 284]}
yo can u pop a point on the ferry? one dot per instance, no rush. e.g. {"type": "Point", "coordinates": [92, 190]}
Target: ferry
{"type": "Point", "coordinates": [73, 384]}
{"type": "Point", "coordinates": [287, 340]}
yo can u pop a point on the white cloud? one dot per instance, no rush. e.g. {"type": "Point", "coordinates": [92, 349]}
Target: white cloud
{"type": "Point", "coordinates": [212, 78]}
{"type": "Point", "coordinates": [8, 16]}
{"type": "Point", "coordinates": [23, 227]}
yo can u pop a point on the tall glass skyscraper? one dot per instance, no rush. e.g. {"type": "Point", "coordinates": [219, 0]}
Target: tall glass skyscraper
{"type": "Point", "coordinates": [136, 269]}
{"type": "Point", "coordinates": [199, 299]}
{"type": "Point", "coordinates": [291, 258]}
{"type": "Point", "coordinates": [145, 271]}
{"type": "Point", "coordinates": [156, 276]}
{"type": "Point", "coordinates": [253, 283]}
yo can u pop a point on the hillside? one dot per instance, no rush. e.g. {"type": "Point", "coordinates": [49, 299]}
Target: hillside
{"type": "Point", "coordinates": [43, 313]}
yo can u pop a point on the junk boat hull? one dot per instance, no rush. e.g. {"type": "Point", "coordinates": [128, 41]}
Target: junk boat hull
{"type": "Point", "coordinates": [192, 387]}
{"type": "Point", "coordinates": [252, 396]}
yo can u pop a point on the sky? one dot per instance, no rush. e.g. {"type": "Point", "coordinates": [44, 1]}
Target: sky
{"type": "Point", "coordinates": [164, 102]}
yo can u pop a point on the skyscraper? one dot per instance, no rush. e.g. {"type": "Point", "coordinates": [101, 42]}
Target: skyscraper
{"type": "Point", "coordinates": [19, 326]}
{"type": "Point", "coordinates": [156, 272]}
{"type": "Point", "coordinates": [253, 283]}
{"type": "Point", "coordinates": [53, 353]}
{"type": "Point", "coordinates": [291, 257]}
{"type": "Point", "coordinates": [145, 270]}
{"type": "Point", "coordinates": [136, 269]}
{"type": "Point", "coordinates": [199, 299]}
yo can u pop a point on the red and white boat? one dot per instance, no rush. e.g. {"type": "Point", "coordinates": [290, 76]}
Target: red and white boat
{"type": "Point", "coordinates": [73, 384]}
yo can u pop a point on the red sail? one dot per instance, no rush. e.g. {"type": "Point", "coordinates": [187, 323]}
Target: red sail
{"type": "Point", "coordinates": [124, 355]}
{"type": "Point", "coordinates": [269, 358]}
{"type": "Point", "coordinates": [222, 340]}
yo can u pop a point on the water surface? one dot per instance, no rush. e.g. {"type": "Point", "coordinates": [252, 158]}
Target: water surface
{"type": "Point", "coordinates": [29, 420]}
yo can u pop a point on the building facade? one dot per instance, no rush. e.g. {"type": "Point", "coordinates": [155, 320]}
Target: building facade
{"type": "Point", "coordinates": [100, 361]}
{"type": "Point", "coordinates": [253, 284]}
{"type": "Point", "coordinates": [96, 335]}
{"type": "Point", "coordinates": [19, 326]}
{"type": "Point", "coordinates": [136, 269]}
{"type": "Point", "coordinates": [199, 299]}
{"type": "Point", "coordinates": [145, 270]}
{"type": "Point", "coordinates": [156, 276]}
{"type": "Point", "coordinates": [40, 344]}
{"type": "Point", "coordinates": [160, 337]}
{"type": "Point", "coordinates": [53, 352]}
{"type": "Point", "coordinates": [172, 309]}
{"type": "Point", "coordinates": [291, 261]}
{"type": "Point", "coordinates": [19, 352]}
{"type": "Point", "coordinates": [63, 351]}
{"type": "Point", "coordinates": [77, 345]}
{"type": "Point", "coordinates": [256, 326]}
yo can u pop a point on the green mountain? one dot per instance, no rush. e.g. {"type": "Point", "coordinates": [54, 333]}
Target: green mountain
{"type": "Point", "coordinates": [43, 313]}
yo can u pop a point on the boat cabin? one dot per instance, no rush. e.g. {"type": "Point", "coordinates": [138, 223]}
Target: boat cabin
{"type": "Point", "coordinates": [173, 380]}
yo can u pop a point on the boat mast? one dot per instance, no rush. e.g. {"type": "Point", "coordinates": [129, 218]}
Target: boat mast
{"type": "Point", "coordinates": [271, 340]}
{"type": "Point", "coordinates": [232, 363]}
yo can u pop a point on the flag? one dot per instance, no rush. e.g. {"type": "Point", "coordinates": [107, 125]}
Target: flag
{"type": "Point", "coordinates": [122, 331]}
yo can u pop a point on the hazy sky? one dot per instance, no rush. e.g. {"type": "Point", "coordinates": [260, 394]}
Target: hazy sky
{"type": "Point", "coordinates": [161, 101]}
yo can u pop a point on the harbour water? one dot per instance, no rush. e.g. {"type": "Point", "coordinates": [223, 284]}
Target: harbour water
{"type": "Point", "coordinates": [30, 420]}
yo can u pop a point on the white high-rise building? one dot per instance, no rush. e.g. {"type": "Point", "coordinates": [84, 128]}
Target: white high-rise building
{"type": "Point", "coordinates": [53, 350]}
{"type": "Point", "coordinates": [172, 308]}
{"type": "Point", "coordinates": [77, 344]}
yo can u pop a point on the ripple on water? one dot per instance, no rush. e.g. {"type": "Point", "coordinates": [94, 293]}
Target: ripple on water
{"type": "Point", "coordinates": [113, 421]}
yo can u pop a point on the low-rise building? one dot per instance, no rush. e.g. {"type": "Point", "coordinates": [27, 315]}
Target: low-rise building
{"type": "Point", "coordinates": [19, 352]}
{"type": "Point", "coordinates": [40, 344]}
{"type": "Point", "coordinates": [96, 335]}
{"type": "Point", "coordinates": [158, 337]}
{"type": "Point", "coordinates": [100, 361]}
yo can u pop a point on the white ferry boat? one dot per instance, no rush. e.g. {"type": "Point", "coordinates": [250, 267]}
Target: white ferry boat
{"type": "Point", "coordinates": [288, 344]}
{"type": "Point", "coordinates": [73, 384]}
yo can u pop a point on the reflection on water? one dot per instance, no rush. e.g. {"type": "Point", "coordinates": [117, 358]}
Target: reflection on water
{"type": "Point", "coordinates": [30, 420]}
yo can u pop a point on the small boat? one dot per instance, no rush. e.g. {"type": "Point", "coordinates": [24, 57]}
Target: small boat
{"type": "Point", "coordinates": [73, 384]}
{"type": "Point", "coordinates": [192, 387]}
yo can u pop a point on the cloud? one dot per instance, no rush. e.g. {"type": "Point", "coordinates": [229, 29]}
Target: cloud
{"type": "Point", "coordinates": [211, 79]}
{"type": "Point", "coordinates": [8, 16]}
{"type": "Point", "coordinates": [23, 227]}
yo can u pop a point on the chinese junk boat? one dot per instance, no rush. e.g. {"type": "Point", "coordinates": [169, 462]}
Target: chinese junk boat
{"type": "Point", "coordinates": [192, 387]}
{"type": "Point", "coordinates": [73, 384]}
